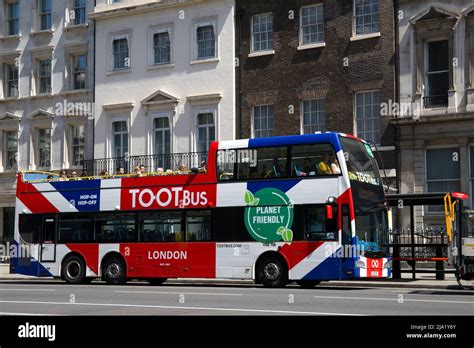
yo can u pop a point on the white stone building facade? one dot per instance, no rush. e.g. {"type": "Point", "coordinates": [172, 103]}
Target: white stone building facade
{"type": "Point", "coordinates": [165, 77]}
{"type": "Point", "coordinates": [46, 63]}
{"type": "Point", "coordinates": [436, 126]}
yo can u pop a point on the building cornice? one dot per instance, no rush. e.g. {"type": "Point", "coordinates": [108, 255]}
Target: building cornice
{"type": "Point", "coordinates": [135, 9]}
{"type": "Point", "coordinates": [409, 121]}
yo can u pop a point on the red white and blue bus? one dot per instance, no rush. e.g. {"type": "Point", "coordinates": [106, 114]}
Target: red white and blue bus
{"type": "Point", "coordinates": [302, 208]}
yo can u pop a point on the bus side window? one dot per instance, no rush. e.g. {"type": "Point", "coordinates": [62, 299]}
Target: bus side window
{"type": "Point", "coordinates": [30, 226]}
{"type": "Point", "coordinates": [317, 227]}
{"type": "Point", "coordinates": [198, 226]}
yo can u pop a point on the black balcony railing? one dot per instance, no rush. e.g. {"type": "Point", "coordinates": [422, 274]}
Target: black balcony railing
{"type": "Point", "coordinates": [152, 163]}
{"type": "Point", "coordinates": [432, 101]}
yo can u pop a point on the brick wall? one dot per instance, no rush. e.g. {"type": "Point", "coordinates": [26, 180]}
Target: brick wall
{"type": "Point", "coordinates": [289, 76]}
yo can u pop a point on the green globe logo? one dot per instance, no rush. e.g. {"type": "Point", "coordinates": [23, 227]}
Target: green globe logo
{"type": "Point", "coordinates": [269, 215]}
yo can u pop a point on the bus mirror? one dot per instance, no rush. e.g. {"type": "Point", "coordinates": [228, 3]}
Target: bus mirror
{"type": "Point", "coordinates": [329, 212]}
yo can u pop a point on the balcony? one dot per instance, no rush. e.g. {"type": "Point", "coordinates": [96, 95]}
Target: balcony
{"type": "Point", "coordinates": [152, 163]}
{"type": "Point", "coordinates": [435, 101]}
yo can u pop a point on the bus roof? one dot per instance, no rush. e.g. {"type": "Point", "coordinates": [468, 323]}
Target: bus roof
{"type": "Point", "coordinates": [326, 137]}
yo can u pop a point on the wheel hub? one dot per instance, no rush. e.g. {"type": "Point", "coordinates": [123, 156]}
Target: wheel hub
{"type": "Point", "coordinates": [113, 270]}
{"type": "Point", "coordinates": [271, 271]}
{"type": "Point", "coordinates": [73, 269]}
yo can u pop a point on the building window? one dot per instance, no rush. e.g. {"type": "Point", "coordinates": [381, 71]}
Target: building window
{"type": "Point", "coordinates": [367, 108]}
{"type": "Point", "coordinates": [119, 139]}
{"type": "Point", "coordinates": [263, 116]}
{"type": "Point", "coordinates": [11, 150]}
{"type": "Point", "coordinates": [161, 126]}
{"type": "Point", "coordinates": [44, 147]}
{"type": "Point", "coordinates": [312, 25]}
{"type": "Point", "coordinates": [262, 32]}
{"type": "Point", "coordinates": [78, 137]}
{"type": "Point", "coordinates": [79, 12]}
{"type": "Point", "coordinates": [120, 54]}
{"type": "Point", "coordinates": [44, 76]}
{"type": "Point", "coordinates": [13, 11]}
{"type": "Point", "coordinates": [443, 172]}
{"type": "Point", "coordinates": [366, 16]}
{"type": "Point", "coordinates": [206, 41]}
{"type": "Point", "coordinates": [313, 116]}
{"type": "Point", "coordinates": [45, 14]}
{"type": "Point", "coordinates": [11, 80]}
{"type": "Point", "coordinates": [436, 74]}
{"type": "Point", "coordinates": [162, 48]}
{"type": "Point", "coordinates": [79, 71]}
{"type": "Point", "coordinates": [206, 131]}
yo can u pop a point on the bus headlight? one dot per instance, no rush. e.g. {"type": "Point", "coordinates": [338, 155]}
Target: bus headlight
{"type": "Point", "coordinates": [386, 265]}
{"type": "Point", "coordinates": [360, 264]}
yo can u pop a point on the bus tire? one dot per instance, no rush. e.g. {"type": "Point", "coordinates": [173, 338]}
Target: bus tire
{"type": "Point", "coordinates": [308, 284]}
{"type": "Point", "coordinates": [113, 270]}
{"type": "Point", "coordinates": [272, 272]}
{"type": "Point", "coordinates": [156, 281]}
{"type": "Point", "coordinates": [74, 269]}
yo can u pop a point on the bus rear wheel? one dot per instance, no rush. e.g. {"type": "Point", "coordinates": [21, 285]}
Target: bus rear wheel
{"type": "Point", "coordinates": [74, 270]}
{"type": "Point", "coordinates": [308, 284]}
{"type": "Point", "coordinates": [272, 272]}
{"type": "Point", "coordinates": [113, 271]}
{"type": "Point", "coordinates": [156, 281]}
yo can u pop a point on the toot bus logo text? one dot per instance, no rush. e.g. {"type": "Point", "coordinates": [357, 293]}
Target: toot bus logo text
{"type": "Point", "coordinates": [166, 197]}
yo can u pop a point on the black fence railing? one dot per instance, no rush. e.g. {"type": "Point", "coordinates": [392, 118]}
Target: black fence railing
{"type": "Point", "coordinates": [435, 101]}
{"type": "Point", "coordinates": [152, 163]}
{"type": "Point", "coordinates": [419, 246]}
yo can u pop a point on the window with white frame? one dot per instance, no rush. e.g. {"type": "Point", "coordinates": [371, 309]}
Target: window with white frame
{"type": "Point", "coordinates": [120, 52]}
{"type": "Point", "coordinates": [262, 32]}
{"type": "Point", "coordinates": [206, 131]}
{"type": "Point", "coordinates": [79, 65]}
{"type": "Point", "coordinates": [44, 76]}
{"type": "Point", "coordinates": [312, 25]}
{"type": "Point", "coordinates": [263, 116]}
{"type": "Point", "coordinates": [44, 13]}
{"type": "Point", "coordinates": [79, 12]}
{"type": "Point", "coordinates": [44, 147]}
{"type": "Point", "coordinates": [205, 41]}
{"type": "Point", "coordinates": [367, 115]}
{"type": "Point", "coordinates": [436, 74]}
{"type": "Point", "coordinates": [13, 17]}
{"type": "Point", "coordinates": [161, 47]}
{"type": "Point", "coordinates": [162, 141]}
{"type": "Point", "coordinates": [119, 139]}
{"type": "Point", "coordinates": [11, 80]}
{"type": "Point", "coordinates": [366, 17]}
{"type": "Point", "coordinates": [443, 171]}
{"type": "Point", "coordinates": [10, 152]}
{"type": "Point", "coordinates": [313, 116]}
{"type": "Point", "coordinates": [77, 144]}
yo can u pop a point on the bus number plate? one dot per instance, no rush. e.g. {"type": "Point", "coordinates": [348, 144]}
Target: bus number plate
{"type": "Point", "coordinates": [374, 273]}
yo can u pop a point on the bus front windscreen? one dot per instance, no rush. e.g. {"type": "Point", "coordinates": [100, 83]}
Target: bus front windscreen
{"type": "Point", "coordinates": [369, 198]}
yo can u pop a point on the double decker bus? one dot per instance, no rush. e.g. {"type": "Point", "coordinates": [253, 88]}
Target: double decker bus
{"type": "Point", "coordinates": [302, 208]}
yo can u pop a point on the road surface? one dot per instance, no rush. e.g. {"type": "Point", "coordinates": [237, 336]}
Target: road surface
{"type": "Point", "coordinates": [53, 297]}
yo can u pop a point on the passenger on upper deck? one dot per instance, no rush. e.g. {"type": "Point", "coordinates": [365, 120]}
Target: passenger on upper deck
{"type": "Point", "coordinates": [63, 175]}
{"type": "Point", "coordinates": [323, 166]}
{"type": "Point", "coordinates": [203, 167]}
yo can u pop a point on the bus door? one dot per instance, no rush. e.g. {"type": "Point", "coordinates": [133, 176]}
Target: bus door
{"type": "Point", "coordinates": [346, 241]}
{"type": "Point", "coordinates": [47, 248]}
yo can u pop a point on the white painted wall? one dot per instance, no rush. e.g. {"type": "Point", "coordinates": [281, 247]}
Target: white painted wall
{"type": "Point", "coordinates": [182, 79]}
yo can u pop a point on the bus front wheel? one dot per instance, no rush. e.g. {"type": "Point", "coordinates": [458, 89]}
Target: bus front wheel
{"type": "Point", "coordinates": [272, 272]}
{"type": "Point", "coordinates": [74, 269]}
{"type": "Point", "coordinates": [113, 271]}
